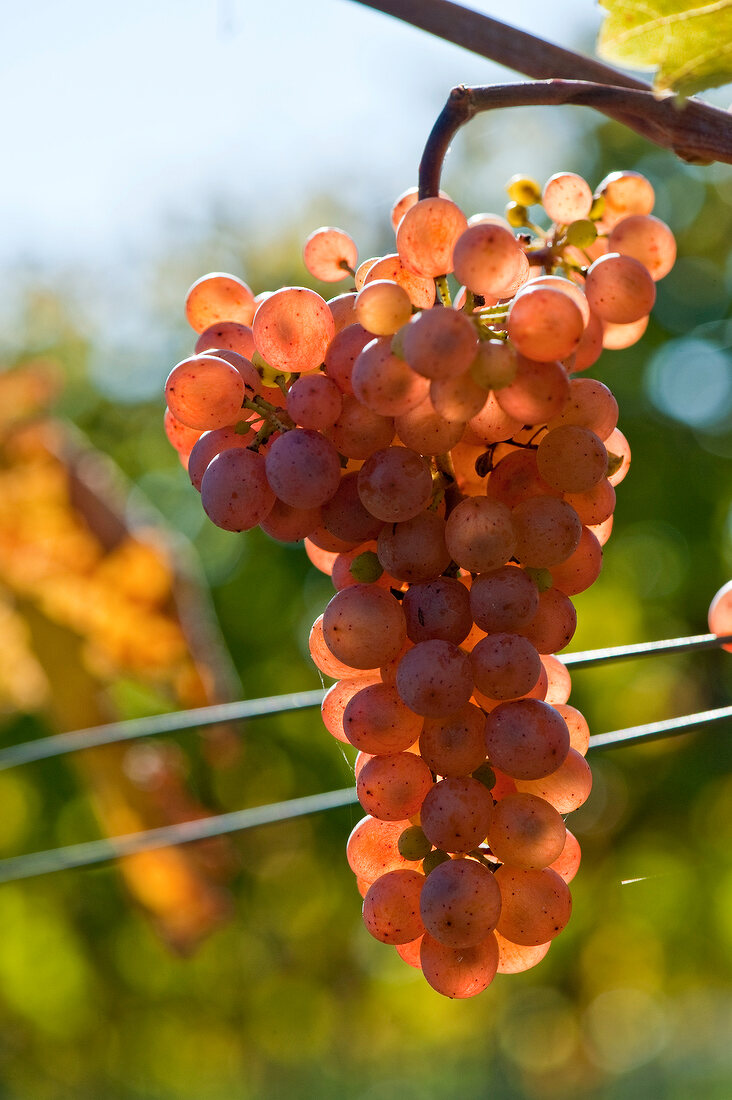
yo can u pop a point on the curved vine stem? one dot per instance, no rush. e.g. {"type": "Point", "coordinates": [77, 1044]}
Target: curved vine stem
{"type": "Point", "coordinates": [696, 132]}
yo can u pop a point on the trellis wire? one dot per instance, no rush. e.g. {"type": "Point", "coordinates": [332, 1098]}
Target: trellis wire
{"type": "Point", "coordinates": [101, 851]}
{"type": "Point", "coordinates": [63, 743]}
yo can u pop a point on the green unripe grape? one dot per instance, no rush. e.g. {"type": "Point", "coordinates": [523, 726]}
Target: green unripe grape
{"type": "Point", "coordinates": [413, 844]}
{"type": "Point", "coordinates": [366, 568]}
{"type": "Point", "coordinates": [598, 207]}
{"type": "Point", "coordinates": [516, 215]}
{"type": "Point", "coordinates": [523, 190]}
{"type": "Point", "coordinates": [582, 233]}
{"type": "Point", "coordinates": [434, 859]}
{"type": "Point", "coordinates": [397, 342]}
{"type": "Point", "coordinates": [494, 366]}
{"type": "Point", "coordinates": [614, 462]}
{"type": "Point", "coordinates": [542, 578]}
{"type": "Point", "coordinates": [485, 775]}
{"type": "Point", "coordinates": [267, 373]}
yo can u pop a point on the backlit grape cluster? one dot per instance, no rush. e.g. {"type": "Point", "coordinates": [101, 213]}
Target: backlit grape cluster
{"type": "Point", "coordinates": [429, 436]}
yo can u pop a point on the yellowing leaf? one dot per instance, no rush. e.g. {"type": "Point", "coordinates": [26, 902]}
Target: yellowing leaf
{"type": "Point", "coordinates": [689, 44]}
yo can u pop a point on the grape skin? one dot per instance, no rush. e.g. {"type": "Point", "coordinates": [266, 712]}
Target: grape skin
{"type": "Point", "coordinates": [459, 971]}
{"type": "Point", "coordinates": [391, 907]}
{"type": "Point", "coordinates": [460, 903]}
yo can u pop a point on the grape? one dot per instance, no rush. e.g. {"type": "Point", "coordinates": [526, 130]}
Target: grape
{"type": "Point", "coordinates": [487, 259]}
{"type": "Point", "coordinates": [564, 286]}
{"type": "Point", "coordinates": [227, 336]}
{"type": "Point", "coordinates": [288, 524]}
{"type": "Point", "coordinates": [513, 958]}
{"type": "Point", "coordinates": [559, 683]}
{"type": "Point", "coordinates": [341, 355]}
{"type": "Point", "coordinates": [427, 234]}
{"type": "Point", "coordinates": [457, 398]}
{"type": "Point", "coordinates": [594, 506]}
{"type": "Point", "coordinates": [589, 349]}
{"type": "Point", "coordinates": [382, 307]}
{"type": "Point", "coordinates": [303, 468]}
{"type": "Point", "coordinates": [343, 308]}
{"type": "Point", "coordinates": [495, 365]}
{"type": "Point", "coordinates": [526, 739]}
{"type": "Point", "coordinates": [293, 328]}
{"type": "Point", "coordinates": [345, 516]}
{"type": "Point", "coordinates": [526, 832]}
{"type": "Point", "coordinates": [590, 405]}
{"type": "Point", "coordinates": [571, 459]}
{"type": "Point", "coordinates": [504, 599]}
{"type": "Point", "coordinates": [502, 785]}
{"type": "Point", "coordinates": [395, 484]}
{"type": "Point", "coordinates": [235, 493]}
{"type": "Point", "coordinates": [538, 392]}
{"type": "Point", "coordinates": [582, 568]}
{"type": "Point", "coordinates": [524, 190]}
{"type": "Point", "coordinates": [439, 343]}
{"type": "Point", "coordinates": [336, 700]}
{"type": "Point", "coordinates": [363, 626]}
{"type": "Point", "coordinates": [492, 423]}
{"type": "Point", "coordinates": [358, 431]}
{"type": "Point", "coordinates": [438, 609]}
{"type": "Point", "coordinates": [619, 289]}
{"type": "Point", "coordinates": [330, 254]}
{"type": "Point", "coordinates": [413, 844]}
{"type": "Point", "coordinates": [180, 435]}
{"type": "Point", "coordinates": [360, 566]}
{"type": "Point", "coordinates": [410, 952]}
{"type": "Point", "coordinates": [404, 202]}
{"type": "Point", "coordinates": [391, 907]}
{"type": "Point", "coordinates": [720, 613]}
{"type": "Point", "coordinates": [648, 240]}
{"type": "Point", "coordinates": [373, 849]}
{"type": "Point", "coordinates": [377, 721]}
{"type": "Point", "coordinates": [625, 193]}
{"type": "Point", "coordinates": [454, 745]}
{"type": "Point", "coordinates": [579, 731]}
{"type": "Point", "coordinates": [536, 905]}
{"type": "Point", "coordinates": [460, 903]}
{"type": "Point", "coordinates": [421, 290]}
{"type": "Point", "coordinates": [314, 401]}
{"type": "Point", "coordinates": [425, 431]}
{"type": "Point", "coordinates": [211, 444]}
{"type": "Point", "coordinates": [384, 382]}
{"type": "Point", "coordinates": [567, 865]}
{"type": "Point", "coordinates": [615, 337]}
{"type": "Point", "coordinates": [321, 559]}
{"type": "Point", "coordinates": [414, 550]}
{"type": "Point", "coordinates": [516, 478]}
{"type": "Point", "coordinates": [459, 971]}
{"type": "Point", "coordinates": [566, 198]}
{"type": "Point", "coordinates": [567, 788]}
{"type": "Point", "coordinates": [547, 531]}
{"type": "Point", "coordinates": [544, 324]}
{"type": "Point", "coordinates": [326, 661]}
{"type": "Point", "coordinates": [617, 444]}
{"type": "Point", "coordinates": [322, 538]}
{"type": "Point", "coordinates": [553, 626]}
{"type": "Point", "coordinates": [480, 535]}
{"type": "Point", "coordinates": [218, 297]}
{"type": "Point", "coordinates": [393, 786]}
{"type": "Point", "coordinates": [204, 392]}
{"type": "Point", "coordinates": [505, 666]}
{"type": "Point", "coordinates": [434, 678]}
{"type": "Point", "coordinates": [456, 814]}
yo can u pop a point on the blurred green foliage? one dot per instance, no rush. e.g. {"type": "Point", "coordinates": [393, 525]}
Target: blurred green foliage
{"type": "Point", "coordinates": [293, 1000]}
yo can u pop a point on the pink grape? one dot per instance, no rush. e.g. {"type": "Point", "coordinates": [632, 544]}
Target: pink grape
{"type": "Point", "coordinates": [235, 493]}
{"type": "Point", "coordinates": [617, 444]}
{"type": "Point", "coordinates": [363, 626]}
{"type": "Point", "coordinates": [293, 328]}
{"type": "Point", "coordinates": [493, 423]}
{"type": "Point", "coordinates": [303, 468]}
{"type": "Point", "coordinates": [392, 787]}
{"type": "Point", "coordinates": [526, 831]}
{"type": "Point", "coordinates": [325, 660]}
{"type": "Point", "coordinates": [415, 550]}
{"type": "Point", "coordinates": [457, 398]}
{"type": "Point", "coordinates": [341, 355]}
{"type": "Point", "coordinates": [616, 337]}
{"type": "Point", "coordinates": [567, 864]}
{"type": "Point", "coordinates": [559, 682]}
{"type": "Point", "coordinates": [456, 814]}
{"type": "Point", "coordinates": [553, 626]}
{"type": "Point", "coordinates": [211, 444]}
{"type": "Point", "coordinates": [504, 599]}
{"type": "Point", "coordinates": [625, 193]}
{"type": "Point", "coordinates": [359, 431]}
{"type": "Point", "coordinates": [595, 505]}
{"type": "Point", "coordinates": [424, 430]}
{"type": "Point", "coordinates": [439, 343]}
{"type": "Point", "coordinates": [382, 307]}
{"type": "Point", "coordinates": [290, 524]}
{"type": "Point", "coordinates": [329, 254]}
{"type": "Point", "coordinates": [487, 259]}
{"type": "Point", "coordinates": [345, 516]}
{"type": "Point", "coordinates": [579, 731]}
{"type": "Point", "coordinates": [648, 240]}
{"type": "Point", "coordinates": [536, 905]}
{"type": "Point", "coordinates": [571, 458]}
{"type": "Point", "coordinates": [544, 324]}
{"type": "Point", "coordinates": [314, 401]}
{"type": "Point", "coordinates": [434, 678]}
{"type": "Point", "coordinates": [391, 907]}
{"type": "Point", "coordinates": [459, 971]}
{"type": "Point", "coordinates": [336, 700]}
{"type": "Point", "coordinates": [373, 849]}
{"type": "Point", "coordinates": [564, 286]}
{"type": "Point", "coordinates": [547, 531]}
{"type": "Point", "coordinates": [454, 745]}
{"type": "Point", "coordinates": [218, 297]}
{"type": "Point", "coordinates": [505, 666]}
{"type": "Point", "coordinates": [581, 569]}
{"type": "Point", "coordinates": [515, 478]}
{"type": "Point", "coordinates": [526, 739]}
{"type": "Point", "coordinates": [566, 198]}
{"type": "Point", "coordinates": [180, 435]}
{"type": "Point", "coordinates": [395, 484]}
{"type": "Point", "coordinates": [204, 392]}
{"type": "Point", "coordinates": [619, 289]}
{"type": "Point", "coordinates": [377, 721]}
{"type": "Point", "coordinates": [421, 290]}
{"type": "Point", "coordinates": [226, 336]}
{"type": "Point", "coordinates": [343, 308]}
{"type": "Point", "coordinates": [480, 534]}
{"type": "Point", "coordinates": [438, 609]}
{"type": "Point", "coordinates": [513, 958]}
{"type": "Point", "coordinates": [384, 382]}
{"type": "Point", "coordinates": [566, 788]}
{"type": "Point", "coordinates": [427, 234]}
{"type": "Point", "coordinates": [460, 903]}
{"type": "Point", "coordinates": [538, 392]}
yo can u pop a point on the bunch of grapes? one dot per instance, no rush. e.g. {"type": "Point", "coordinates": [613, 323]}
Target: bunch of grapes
{"type": "Point", "coordinates": [430, 436]}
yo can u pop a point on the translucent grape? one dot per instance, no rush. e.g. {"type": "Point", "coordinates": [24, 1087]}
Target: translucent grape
{"type": "Point", "coordinates": [434, 678]}
{"type": "Point", "coordinates": [345, 516]}
{"type": "Point", "coordinates": [515, 478]}
{"type": "Point", "coordinates": [492, 423]}
{"type": "Point", "coordinates": [437, 609]}
{"type": "Point", "coordinates": [211, 444]}
{"type": "Point", "coordinates": [504, 599]}
{"type": "Point", "coordinates": [648, 240]}
{"type": "Point", "coordinates": [303, 468]}
{"type": "Point", "coordinates": [625, 193]}
{"type": "Point", "coordinates": [460, 903]}
{"type": "Point", "coordinates": [514, 958]}
{"type": "Point", "coordinates": [410, 952]}
{"type": "Point", "coordinates": [180, 435]}
{"type": "Point", "coordinates": [363, 626]}
{"type": "Point", "coordinates": [395, 484]}
{"type": "Point", "coordinates": [617, 444]}
{"type": "Point", "coordinates": [456, 814]}
{"type": "Point", "coordinates": [424, 430]}
{"type": "Point", "coordinates": [391, 907]}
{"type": "Point", "coordinates": [415, 550]}
{"type": "Point", "coordinates": [459, 971]}
{"type": "Point", "coordinates": [330, 254]}
{"type": "Point", "coordinates": [594, 506]}
{"type": "Point", "coordinates": [385, 383]}
{"type": "Point", "coordinates": [343, 308]}
{"type": "Point", "coordinates": [326, 661]}
{"type": "Point", "coordinates": [336, 700]}
{"type": "Point", "coordinates": [235, 493]}
{"type": "Point", "coordinates": [393, 786]}
{"type": "Point", "coordinates": [427, 234]}
{"type": "Point", "coordinates": [553, 626]}
{"type": "Point", "coordinates": [720, 613]}
{"type": "Point", "coordinates": [204, 392]}
{"type": "Point", "coordinates": [619, 289]}
{"type": "Point", "coordinates": [290, 524]}
{"type": "Point", "coordinates": [341, 355]}
{"type": "Point", "coordinates": [359, 431]}
{"type": "Point", "coordinates": [538, 392]}
{"type": "Point", "coordinates": [526, 739]}
{"type": "Point", "coordinates": [457, 398]}
{"type": "Point", "coordinates": [536, 905]}
{"type": "Point", "coordinates": [487, 259]}
{"type": "Point", "coordinates": [377, 721]}
{"type": "Point", "coordinates": [564, 286]}
{"type": "Point", "coordinates": [544, 323]}
{"type": "Point", "coordinates": [526, 832]}
{"type": "Point", "coordinates": [227, 336]}
{"type": "Point", "coordinates": [567, 865]}
{"type": "Point", "coordinates": [439, 343]}
{"type": "Point", "coordinates": [382, 307]}
{"type": "Point", "coordinates": [402, 203]}
{"type": "Point", "coordinates": [589, 349]}
{"type": "Point", "coordinates": [567, 788]}
{"type": "Point", "coordinates": [582, 568]}
{"type": "Point", "coordinates": [579, 731]}
{"type": "Point", "coordinates": [571, 458]}
{"type": "Point", "coordinates": [524, 190]}
{"type": "Point", "coordinates": [566, 198]}
{"type": "Point", "coordinates": [480, 535]}
{"type": "Point", "coordinates": [421, 290]}
{"type": "Point", "coordinates": [559, 685]}
{"type": "Point", "coordinates": [321, 559]}
{"type": "Point", "coordinates": [293, 328]}
{"type": "Point", "coordinates": [218, 297]}
{"type": "Point", "coordinates": [547, 531]}
{"type": "Point", "coordinates": [314, 401]}
{"type": "Point", "coordinates": [505, 666]}
{"type": "Point", "coordinates": [373, 848]}
{"type": "Point", "coordinates": [495, 365]}
{"type": "Point", "coordinates": [454, 745]}
{"type": "Point", "coordinates": [616, 337]}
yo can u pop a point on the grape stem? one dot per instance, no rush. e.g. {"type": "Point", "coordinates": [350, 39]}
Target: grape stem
{"type": "Point", "coordinates": [696, 132]}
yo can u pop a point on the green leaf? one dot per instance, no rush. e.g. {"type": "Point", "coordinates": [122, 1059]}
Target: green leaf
{"type": "Point", "coordinates": [689, 44]}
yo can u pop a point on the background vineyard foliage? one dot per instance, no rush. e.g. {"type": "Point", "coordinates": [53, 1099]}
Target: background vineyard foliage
{"type": "Point", "coordinates": [291, 998]}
